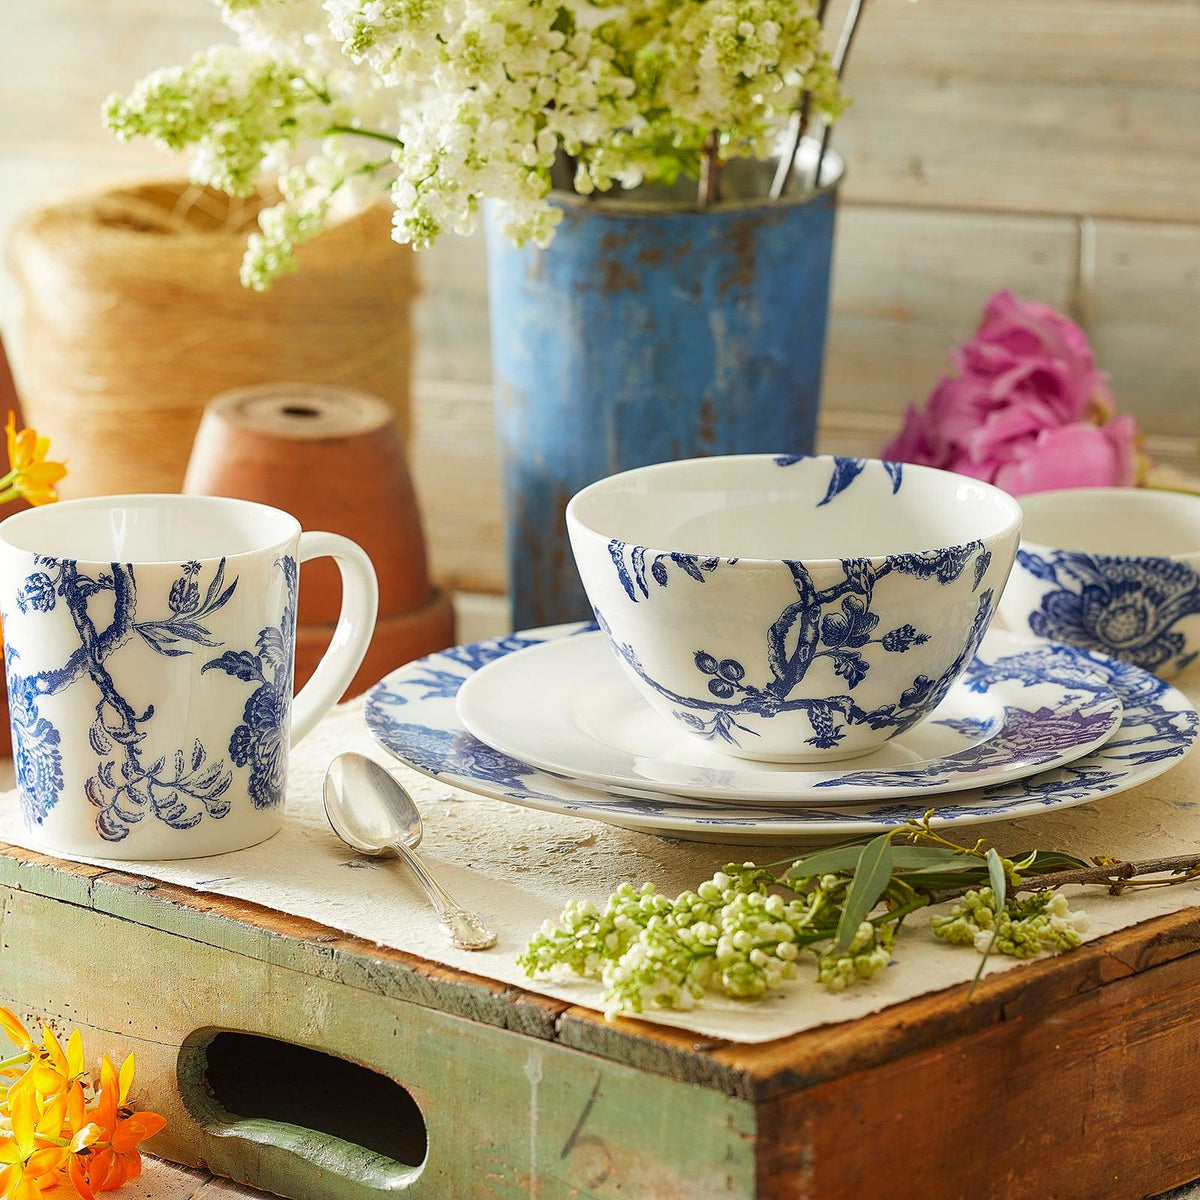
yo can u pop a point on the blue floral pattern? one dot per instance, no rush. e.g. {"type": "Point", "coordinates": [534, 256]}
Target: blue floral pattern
{"type": "Point", "coordinates": [37, 759]}
{"type": "Point", "coordinates": [637, 567]}
{"type": "Point", "coordinates": [834, 623]}
{"type": "Point", "coordinates": [260, 742]}
{"type": "Point", "coordinates": [1035, 736]}
{"type": "Point", "coordinates": [1127, 607]}
{"type": "Point", "coordinates": [845, 471]}
{"type": "Point", "coordinates": [636, 576]}
{"type": "Point", "coordinates": [1158, 727]}
{"type": "Point", "coordinates": [178, 789]}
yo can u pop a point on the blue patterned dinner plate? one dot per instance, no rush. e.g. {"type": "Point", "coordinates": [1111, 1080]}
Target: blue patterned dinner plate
{"type": "Point", "coordinates": [413, 714]}
{"type": "Point", "coordinates": [568, 707]}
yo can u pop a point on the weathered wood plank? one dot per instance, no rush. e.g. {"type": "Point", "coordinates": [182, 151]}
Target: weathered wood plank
{"type": "Point", "coordinates": [1143, 297]}
{"type": "Point", "coordinates": [815, 1057]}
{"type": "Point", "coordinates": [249, 933]}
{"type": "Point", "coordinates": [292, 943]}
{"type": "Point", "coordinates": [503, 1112]}
{"type": "Point", "coordinates": [1108, 1035]}
{"type": "Point", "coordinates": [909, 286]}
{"type": "Point", "coordinates": [71, 60]}
{"type": "Point", "coordinates": [1076, 1100]}
{"type": "Point", "coordinates": [1075, 107]}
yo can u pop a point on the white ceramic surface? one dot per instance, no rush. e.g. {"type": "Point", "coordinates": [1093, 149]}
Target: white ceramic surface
{"type": "Point", "coordinates": [797, 609]}
{"type": "Point", "coordinates": [1111, 569]}
{"type": "Point", "coordinates": [149, 643]}
{"type": "Point", "coordinates": [566, 706]}
{"type": "Point", "coordinates": [413, 714]}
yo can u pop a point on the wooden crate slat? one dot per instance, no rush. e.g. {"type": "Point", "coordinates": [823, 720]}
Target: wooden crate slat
{"type": "Point", "coordinates": [254, 933]}
{"type": "Point", "coordinates": [504, 1111]}
{"type": "Point", "coordinates": [1087, 1097]}
{"type": "Point", "coordinates": [1099, 1046]}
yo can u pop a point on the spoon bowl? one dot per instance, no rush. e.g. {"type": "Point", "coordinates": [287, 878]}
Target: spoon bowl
{"type": "Point", "coordinates": [368, 808]}
{"type": "Point", "coordinates": [371, 812]}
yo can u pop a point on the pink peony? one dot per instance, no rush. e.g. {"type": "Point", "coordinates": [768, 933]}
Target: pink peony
{"type": "Point", "coordinates": [1027, 411]}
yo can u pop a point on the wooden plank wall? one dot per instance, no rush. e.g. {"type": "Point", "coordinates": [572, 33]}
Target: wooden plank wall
{"type": "Point", "coordinates": [1049, 147]}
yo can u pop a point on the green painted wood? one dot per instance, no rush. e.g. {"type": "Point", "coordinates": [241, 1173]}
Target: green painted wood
{"type": "Point", "coordinates": [311, 950]}
{"type": "Point", "coordinates": [508, 1115]}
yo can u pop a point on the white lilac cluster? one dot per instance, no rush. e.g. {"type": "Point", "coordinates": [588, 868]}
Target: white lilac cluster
{"type": "Point", "coordinates": [868, 952]}
{"type": "Point", "coordinates": [236, 111]}
{"type": "Point", "coordinates": [476, 99]}
{"type": "Point", "coordinates": [731, 934]}
{"type": "Point", "coordinates": [1040, 923]}
{"type": "Point", "coordinates": [736, 64]}
{"type": "Point", "coordinates": [341, 172]}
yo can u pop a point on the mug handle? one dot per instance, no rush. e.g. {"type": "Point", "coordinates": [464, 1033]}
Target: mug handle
{"type": "Point", "coordinates": [352, 635]}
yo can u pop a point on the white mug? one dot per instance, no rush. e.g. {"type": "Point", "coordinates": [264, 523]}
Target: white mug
{"type": "Point", "coordinates": [149, 643]}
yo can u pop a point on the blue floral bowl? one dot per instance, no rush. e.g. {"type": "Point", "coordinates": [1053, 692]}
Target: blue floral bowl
{"type": "Point", "coordinates": [793, 608]}
{"type": "Point", "coordinates": [1111, 569]}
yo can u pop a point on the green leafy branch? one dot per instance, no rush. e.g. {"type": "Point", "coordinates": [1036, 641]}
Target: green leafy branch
{"type": "Point", "coordinates": [745, 931]}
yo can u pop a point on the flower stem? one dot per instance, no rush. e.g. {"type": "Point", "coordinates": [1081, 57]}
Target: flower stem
{"type": "Point", "coordinates": [797, 128]}
{"type": "Point", "coordinates": [1118, 875]}
{"type": "Point", "coordinates": [710, 168]}
{"type": "Point", "coordinates": [840, 56]}
{"type": "Point", "coordinates": [377, 134]}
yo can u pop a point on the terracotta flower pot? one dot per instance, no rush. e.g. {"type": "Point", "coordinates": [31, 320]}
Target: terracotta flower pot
{"type": "Point", "coordinates": [334, 458]}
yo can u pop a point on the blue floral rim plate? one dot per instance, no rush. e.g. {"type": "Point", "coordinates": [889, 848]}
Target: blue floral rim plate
{"type": "Point", "coordinates": [567, 706]}
{"type": "Point", "coordinates": [412, 713]}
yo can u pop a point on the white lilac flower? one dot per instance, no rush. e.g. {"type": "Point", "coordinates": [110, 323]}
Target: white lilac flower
{"type": "Point", "coordinates": [231, 107]}
{"type": "Point", "coordinates": [340, 173]}
{"type": "Point", "coordinates": [480, 98]}
{"type": "Point", "coordinates": [869, 951]}
{"type": "Point", "coordinates": [1039, 923]}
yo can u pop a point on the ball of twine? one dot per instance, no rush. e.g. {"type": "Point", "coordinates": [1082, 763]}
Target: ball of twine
{"type": "Point", "coordinates": [135, 319]}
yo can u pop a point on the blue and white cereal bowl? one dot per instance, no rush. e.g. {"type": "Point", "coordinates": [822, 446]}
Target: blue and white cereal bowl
{"type": "Point", "coordinates": [795, 608]}
{"type": "Point", "coordinates": [1111, 569]}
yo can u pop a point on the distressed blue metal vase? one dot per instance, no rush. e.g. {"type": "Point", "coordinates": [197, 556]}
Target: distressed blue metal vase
{"type": "Point", "coordinates": [650, 330]}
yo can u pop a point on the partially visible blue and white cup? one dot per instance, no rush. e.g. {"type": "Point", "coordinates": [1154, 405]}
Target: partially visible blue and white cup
{"type": "Point", "coordinates": [150, 643]}
{"type": "Point", "coordinates": [1111, 569]}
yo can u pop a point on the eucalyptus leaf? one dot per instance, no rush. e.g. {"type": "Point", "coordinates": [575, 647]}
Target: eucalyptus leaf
{"type": "Point", "coordinates": [872, 874]}
{"type": "Point", "coordinates": [904, 858]}
{"type": "Point", "coordinates": [836, 858]}
{"type": "Point", "coordinates": [1042, 862]}
{"type": "Point", "coordinates": [934, 879]}
{"type": "Point", "coordinates": [914, 858]}
{"type": "Point", "coordinates": [997, 878]}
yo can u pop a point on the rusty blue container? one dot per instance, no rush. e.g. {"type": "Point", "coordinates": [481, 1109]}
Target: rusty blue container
{"type": "Point", "coordinates": [650, 331]}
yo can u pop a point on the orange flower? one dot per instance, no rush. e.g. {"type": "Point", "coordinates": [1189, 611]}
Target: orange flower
{"type": "Point", "coordinates": [113, 1157]}
{"type": "Point", "coordinates": [79, 1149]}
{"type": "Point", "coordinates": [28, 1162]}
{"type": "Point", "coordinates": [51, 1071]}
{"type": "Point", "coordinates": [19, 1036]}
{"type": "Point", "coordinates": [31, 474]}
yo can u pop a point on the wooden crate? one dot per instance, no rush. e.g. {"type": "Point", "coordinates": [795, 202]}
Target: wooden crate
{"type": "Point", "coordinates": [1067, 1078]}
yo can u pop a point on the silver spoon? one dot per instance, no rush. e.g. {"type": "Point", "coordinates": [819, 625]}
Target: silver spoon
{"type": "Point", "coordinates": [371, 812]}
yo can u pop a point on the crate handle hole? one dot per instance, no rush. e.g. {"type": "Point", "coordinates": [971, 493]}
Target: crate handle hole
{"type": "Point", "coordinates": [316, 1104]}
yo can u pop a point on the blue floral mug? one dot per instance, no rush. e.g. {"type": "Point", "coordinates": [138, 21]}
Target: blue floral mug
{"type": "Point", "coordinates": [1111, 569]}
{"type": "Point", "coordinates": [149, 643]}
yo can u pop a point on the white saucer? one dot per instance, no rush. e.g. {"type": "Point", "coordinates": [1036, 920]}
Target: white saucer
{"type": "Point", "coordinates": [412, 713]}
{"type": "Point", "coordinates": [567, 707]}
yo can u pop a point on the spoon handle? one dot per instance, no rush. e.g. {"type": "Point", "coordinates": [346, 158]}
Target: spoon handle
{"type": "Point", "coordinates": [464, 929]}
